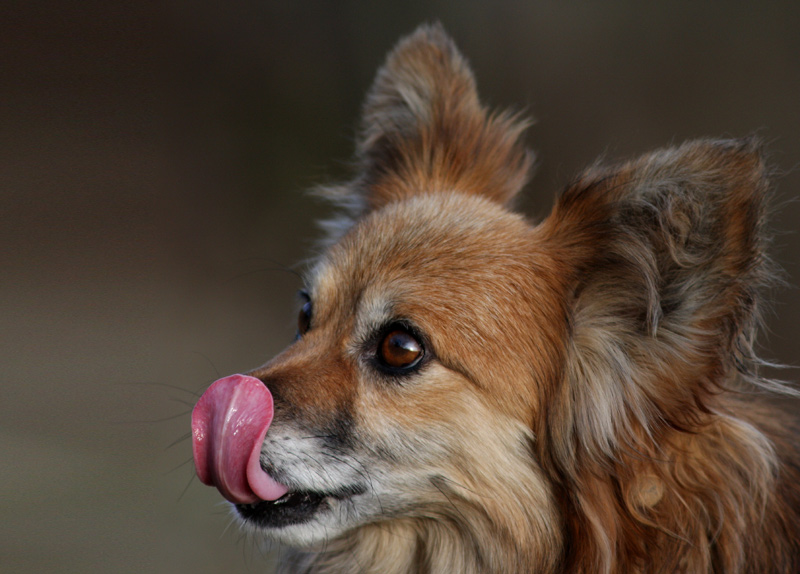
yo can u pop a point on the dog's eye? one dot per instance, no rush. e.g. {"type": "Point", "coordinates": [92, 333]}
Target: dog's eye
{"type": "Point", "coordinates": [400, 350]}
{"type": "Point", "coordinates": [304, 317]}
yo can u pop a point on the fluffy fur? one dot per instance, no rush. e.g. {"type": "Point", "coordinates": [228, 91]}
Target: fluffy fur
{"type": "Point", "coordinates": [589, 399]}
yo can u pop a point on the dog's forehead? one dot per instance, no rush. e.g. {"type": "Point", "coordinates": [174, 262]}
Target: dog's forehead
{"type": "Point", "coordinates": [422, 249]}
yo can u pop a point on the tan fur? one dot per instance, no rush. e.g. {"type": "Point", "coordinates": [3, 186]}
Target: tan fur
{"type": "Point", "coordinates": [586, 404]}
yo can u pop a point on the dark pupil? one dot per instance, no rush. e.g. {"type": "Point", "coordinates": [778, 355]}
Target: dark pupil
{"type": "Point", "coordinates": [399, 349]}
{"type": "Point", "coordinates": [304, 318]}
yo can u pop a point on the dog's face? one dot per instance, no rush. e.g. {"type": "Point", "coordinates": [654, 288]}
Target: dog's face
{"type": "Point", "coordinates": [413, 382]}
{"type": "Point", "coordinates": [462, 374]}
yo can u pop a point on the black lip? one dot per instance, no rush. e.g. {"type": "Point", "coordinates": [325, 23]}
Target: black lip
{"type": "Point", "coordinates": [292, 508]}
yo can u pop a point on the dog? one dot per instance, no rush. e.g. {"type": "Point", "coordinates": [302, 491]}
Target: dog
{"type": "Point", "coordinates": [472, 392]}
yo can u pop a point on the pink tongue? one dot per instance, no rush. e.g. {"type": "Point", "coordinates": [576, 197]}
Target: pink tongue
{"type": "Point", "coordinates": [229, 424]}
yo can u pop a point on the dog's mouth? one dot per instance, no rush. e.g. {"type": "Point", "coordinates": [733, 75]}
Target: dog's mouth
{"type": "Point", "coordinates": [294, 507]}
{"type": "Point", "coordinates": [229, 424]}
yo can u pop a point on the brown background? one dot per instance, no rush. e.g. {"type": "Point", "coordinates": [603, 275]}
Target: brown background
{"type": "Point", "coordinates": [152, 162]}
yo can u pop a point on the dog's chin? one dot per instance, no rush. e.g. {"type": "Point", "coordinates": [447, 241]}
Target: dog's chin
{"type": "Point", "coordinates": [296, 516]}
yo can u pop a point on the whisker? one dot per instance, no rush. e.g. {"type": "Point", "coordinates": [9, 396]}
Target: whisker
{"type": "Point", "coordinates": [188, 484]}
{"type": "Point", "coordinates": [181, 465]}
{"type": "Point", "coordinates": [152, 421]}
{"type": "Point", "coordinates": [158, 384]}
{"type": "Point", "coordinates": [182, 402]}
{"type": "Point", "coordinates": [178, 440]}
{"type": "Point", "coordinates": [209, 361]}
{"type": "Point", "coordinates": [433, 481]}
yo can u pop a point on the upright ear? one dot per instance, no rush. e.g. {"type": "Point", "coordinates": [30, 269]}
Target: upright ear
{"type": "Point", "coordinates": [424, 131]}
{"type": "Point", "coordinates": [665, 255]}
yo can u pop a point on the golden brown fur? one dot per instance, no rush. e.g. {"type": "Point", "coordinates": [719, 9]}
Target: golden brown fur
{"type": "Point", "coordinates": [590, 399]}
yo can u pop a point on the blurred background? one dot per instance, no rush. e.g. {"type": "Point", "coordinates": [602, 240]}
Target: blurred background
{"type": "Point", "coordinates": [153, 157]}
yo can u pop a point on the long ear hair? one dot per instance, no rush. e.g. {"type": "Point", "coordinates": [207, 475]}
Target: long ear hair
{"type": "Point", "coordinates": [667, 259]}
{"type": "Point", "coordinates": [423, 130]}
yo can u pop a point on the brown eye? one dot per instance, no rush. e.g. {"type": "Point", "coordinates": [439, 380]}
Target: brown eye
{"type": "Point", "coordinates": [400, 350]}
{"type": "Point", "coordinates": [304, 318]}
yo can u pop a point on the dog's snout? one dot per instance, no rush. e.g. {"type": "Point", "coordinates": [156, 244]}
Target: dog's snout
{"type": "Point", "coordinates": [308, 382]}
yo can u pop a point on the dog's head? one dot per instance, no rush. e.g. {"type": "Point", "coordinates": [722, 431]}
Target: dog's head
{"type": "Point", "coordinates": [458, 367]}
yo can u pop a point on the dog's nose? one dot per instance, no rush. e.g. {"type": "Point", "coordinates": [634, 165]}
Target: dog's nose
{"type": "Point", "coordinates": [229, 424]}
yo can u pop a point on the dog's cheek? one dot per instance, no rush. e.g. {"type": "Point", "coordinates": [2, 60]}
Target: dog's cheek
{"type": "Point", "coordinates": [437, 446]}
{"type": "Point", "coordinates": [424, 420]}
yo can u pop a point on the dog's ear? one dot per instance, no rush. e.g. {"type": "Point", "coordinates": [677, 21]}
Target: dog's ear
{"type": "Point", "coordinates": [423, 130]}
{"type": "Point", "coordinates": [665, 258]}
